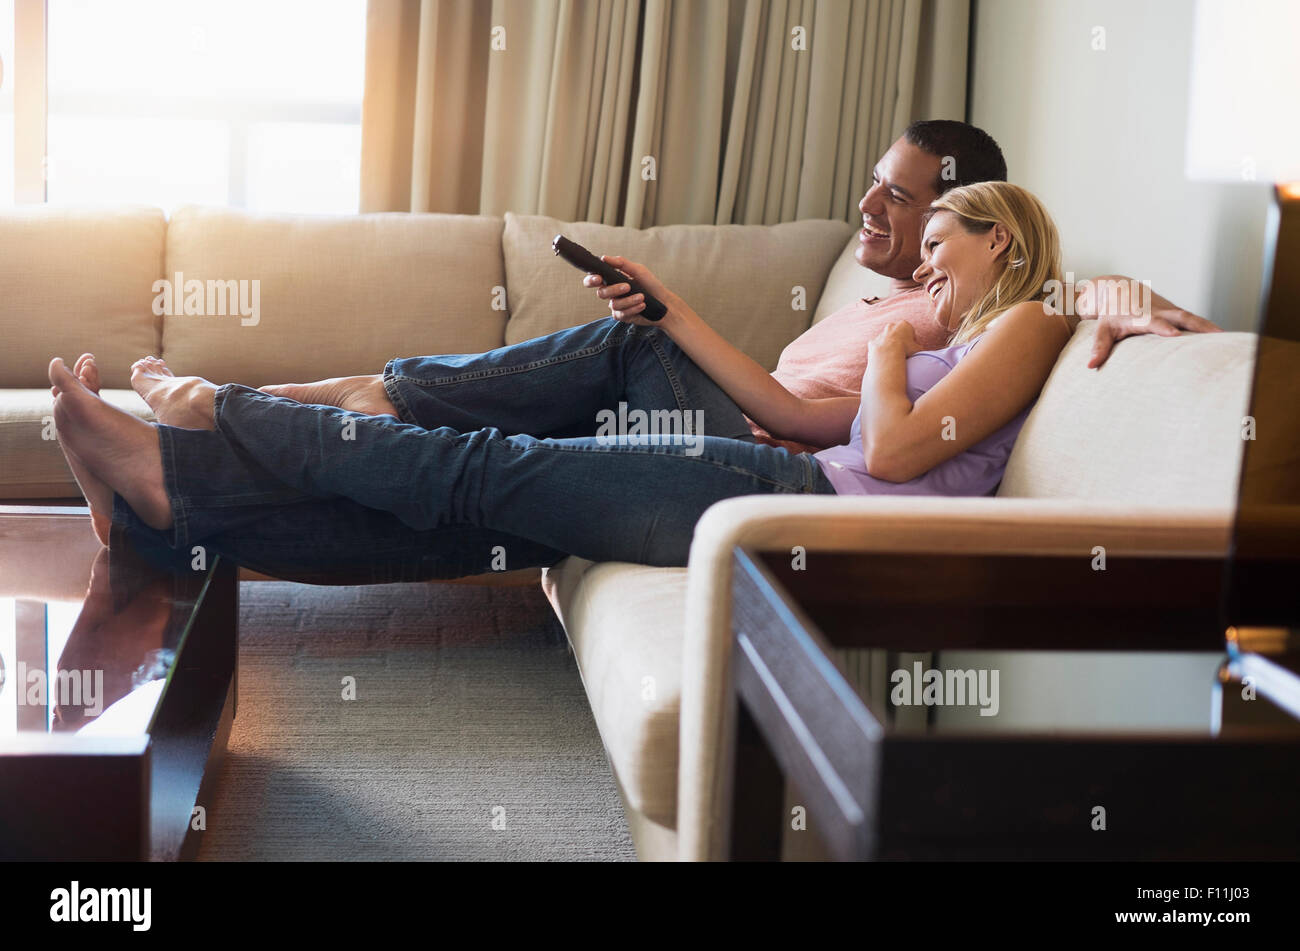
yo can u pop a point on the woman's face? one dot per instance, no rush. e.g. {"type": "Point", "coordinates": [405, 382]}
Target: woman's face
{"type": "Point", "coordinates": [957, 267]}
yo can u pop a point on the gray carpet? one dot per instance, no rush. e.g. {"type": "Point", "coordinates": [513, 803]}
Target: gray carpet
{"type": "Point", "coordinates": [468, 709]}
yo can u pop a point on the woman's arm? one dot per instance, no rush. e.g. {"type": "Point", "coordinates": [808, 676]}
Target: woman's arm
{"type": "Point", "coordinates": [822, 422]}
{"type": "Point", "coordinates": [984, 392]}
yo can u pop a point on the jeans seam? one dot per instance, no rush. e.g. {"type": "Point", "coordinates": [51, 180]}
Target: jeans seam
{"type": "Point", "coordinates": [539, 445]}
{"type": "Point", "coordinates": [260, 498]}
{"type": "Point", "coordinates": [507, 371]}
{"type": "Point", "coordinates": [180, 512]}
{"type": "Point", "coordinates": [218, 404]}
{"type": "Point", "coordinates": [674, 380]}
{"type": "Point", "coordinates": [787, 486]}
{"type": "Point", "coordinates": [811, 478]}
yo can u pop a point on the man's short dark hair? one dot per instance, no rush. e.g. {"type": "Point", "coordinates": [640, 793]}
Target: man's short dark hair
{"type": "Point", "coordinates": [975, 155]}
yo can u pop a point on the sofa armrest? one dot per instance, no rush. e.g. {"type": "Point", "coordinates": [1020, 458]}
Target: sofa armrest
{"type": "Point", "coordinates": [878, 524]}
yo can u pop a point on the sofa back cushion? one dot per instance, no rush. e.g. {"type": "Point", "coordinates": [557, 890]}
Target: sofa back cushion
{"type": "Point", "coordinates": [849, 281]}
{"type": "Point", "coordinates": [76, 280]}
{"type": "Point", "coordinates": [742, 279]}
{"type": "Point", "coordinates": [335, 295]}
{"type": "Point", "coordinates": [1159, 423]}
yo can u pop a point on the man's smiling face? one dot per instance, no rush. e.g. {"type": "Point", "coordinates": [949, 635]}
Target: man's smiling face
{"type": "Point", "coordinates": [902, 188]}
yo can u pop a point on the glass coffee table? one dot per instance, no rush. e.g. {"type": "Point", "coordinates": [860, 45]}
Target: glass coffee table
{"type": "Point", "coordinates": [860, 737]}
{"type": "Point", "coordinates": [117, 692]}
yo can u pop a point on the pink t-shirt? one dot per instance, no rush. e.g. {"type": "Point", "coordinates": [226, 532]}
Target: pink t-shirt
{"type": "Point", "coordinates": [830, 358]}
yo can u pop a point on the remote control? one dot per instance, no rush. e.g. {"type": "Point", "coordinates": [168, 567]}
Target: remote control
{"type": "Point", "coordinates": [584, 260]}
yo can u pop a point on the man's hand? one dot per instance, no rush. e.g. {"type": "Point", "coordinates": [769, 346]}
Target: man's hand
{"type": "Point", "coordinates": [1120, 313]}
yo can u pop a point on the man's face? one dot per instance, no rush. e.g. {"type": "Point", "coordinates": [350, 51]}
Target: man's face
{"type": "Point", "coordinates": [901, 191]}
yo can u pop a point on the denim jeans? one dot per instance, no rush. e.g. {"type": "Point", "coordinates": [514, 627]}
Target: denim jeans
{"type": "Point", "coordinates": [324, 495]}
{"type": "Point", "coordinates": [554, 386]}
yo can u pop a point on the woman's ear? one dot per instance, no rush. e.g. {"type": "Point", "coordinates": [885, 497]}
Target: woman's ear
{"type": "Point", "coordinates": [999, 239]}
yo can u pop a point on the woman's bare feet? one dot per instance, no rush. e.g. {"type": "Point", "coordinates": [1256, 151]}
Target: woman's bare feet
{"type": "Point", "coordinates": [358, 394]}
{"type": "Point", "coordinates": [183, 401]}
{"type": "Point", "coordinates": [114, 447]}
{"type": "Point", "coordinates": [98, 495]}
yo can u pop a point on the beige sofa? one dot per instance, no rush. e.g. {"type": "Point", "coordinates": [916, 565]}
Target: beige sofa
{"type": "Point", "coordinates": [1140, 456]}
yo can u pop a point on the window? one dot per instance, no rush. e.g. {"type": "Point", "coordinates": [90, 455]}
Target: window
{"type": "Point", "coordinates": [6, 102]}
{"type": "Point", "coordinates": [249, 103]}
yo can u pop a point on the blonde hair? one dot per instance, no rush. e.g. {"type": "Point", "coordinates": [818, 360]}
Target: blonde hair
{"type": "Point", "coordinates": [1031, 260]}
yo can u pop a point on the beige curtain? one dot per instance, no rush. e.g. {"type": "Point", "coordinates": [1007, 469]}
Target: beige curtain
{"type": "Point", "coordinates": [645, 112]}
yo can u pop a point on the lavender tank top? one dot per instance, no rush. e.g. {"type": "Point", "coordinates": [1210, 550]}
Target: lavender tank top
{"type": "Point", "coordinates": [976, 471]}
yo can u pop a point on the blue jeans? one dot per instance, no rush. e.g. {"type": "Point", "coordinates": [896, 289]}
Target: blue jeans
{"type": "Point", "coordinates": [323, 495]}
{"type": "Point", "coordinates": [554, 386]}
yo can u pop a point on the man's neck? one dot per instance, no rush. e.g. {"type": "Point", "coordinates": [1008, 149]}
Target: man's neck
{"type": "Point", "coordinates": [898, 285]}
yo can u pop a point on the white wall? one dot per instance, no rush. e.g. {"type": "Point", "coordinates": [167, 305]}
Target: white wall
{"type": "Point", "coordinates": [1099, 136]}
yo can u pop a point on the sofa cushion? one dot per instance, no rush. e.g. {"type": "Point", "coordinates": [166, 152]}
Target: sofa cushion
{"type": "Point", "coordinates": [77, 280]}
{"type": "Point", "coordinates": [33, 464]}
{"type": "Point", "coordinates": [625, 623]}
{"type": "Point", "coordinates": [1159, 422]}
{"type": "Point", "coordinates": [849, 281]}
{"type": "Point", "coordinates": [337, 295]}
{"type": "Point", "coordinates": [740, 278]}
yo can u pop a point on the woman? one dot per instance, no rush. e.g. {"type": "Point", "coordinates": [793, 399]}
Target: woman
{"type": "Point", "coordinates": [323, 494]}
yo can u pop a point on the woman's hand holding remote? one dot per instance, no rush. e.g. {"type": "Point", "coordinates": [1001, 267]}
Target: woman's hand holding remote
{"type": "Point", "coordinates": [626, 308]}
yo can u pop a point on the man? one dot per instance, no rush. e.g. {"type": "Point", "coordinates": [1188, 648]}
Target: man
{"type": "Point", "coordinates": [556, 385]}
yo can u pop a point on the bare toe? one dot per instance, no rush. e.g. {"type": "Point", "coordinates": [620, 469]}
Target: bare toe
{"type": "Point", "coordinates": [60, 375]}
{"type": "Point", "coordinates": [88, 372]}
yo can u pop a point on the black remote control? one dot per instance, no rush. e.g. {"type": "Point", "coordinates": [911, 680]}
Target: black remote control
{"type": "Point", "coordinates": [584, 260]}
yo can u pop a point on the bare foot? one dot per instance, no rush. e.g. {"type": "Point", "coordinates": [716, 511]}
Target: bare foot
{"type": "Point", "coordinates": [184, 401]}
{"type": "Point", "coordinates": [115, 447]}
{"type": "Point", "coordinates": [98, 495]}
{"type": "Point", "coordinates": [358, 394]}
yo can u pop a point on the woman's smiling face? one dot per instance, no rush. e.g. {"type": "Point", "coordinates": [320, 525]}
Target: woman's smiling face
{"type": "Point", "coordinates": [957, 266]}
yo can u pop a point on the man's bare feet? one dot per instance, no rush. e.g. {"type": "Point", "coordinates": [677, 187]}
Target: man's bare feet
{"type": "Point", "coordinates": [98, 495]}
{"type": "Point", "coordinates": [183, 401]}
{"type": "Point", "coordinates": [358, 394]}
{"type": "Point", "coordinates": [114, 447]}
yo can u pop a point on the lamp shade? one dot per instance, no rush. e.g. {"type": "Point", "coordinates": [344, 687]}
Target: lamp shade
{"type": "Point", "coordinates": [1244, 100]}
